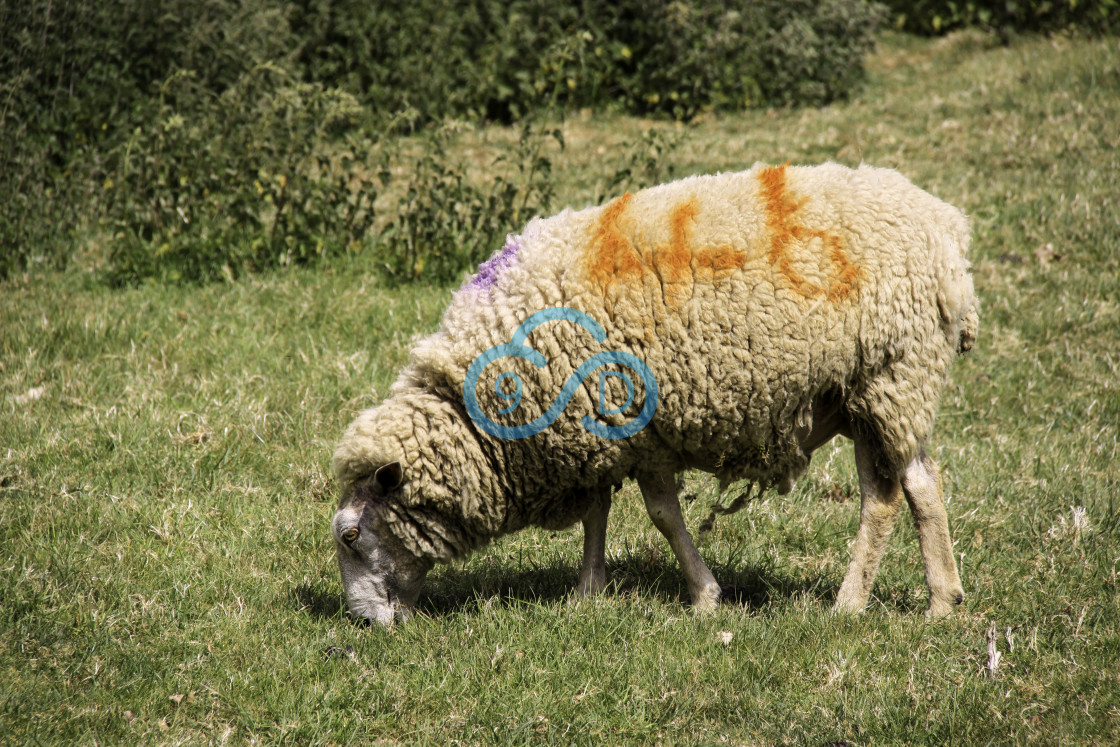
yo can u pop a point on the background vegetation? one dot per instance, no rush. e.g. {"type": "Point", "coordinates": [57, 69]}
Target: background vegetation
{"type": "Point", "coordinates": [166, 575]}
{"type": "Point", "coordinates": [1005, 16]}
{"type": "Point", "coordinates": [197, 140]}
{"type": "Point", "coordinates": [191, 141]}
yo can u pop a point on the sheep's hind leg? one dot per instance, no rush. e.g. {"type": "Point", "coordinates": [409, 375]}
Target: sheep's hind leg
{"type": "Point", "coordinates": [593, 574]}
{"type": "Point", "coordinates": [880, 501]}
{"type": "Point", "coordinates": [921, 482]}
{"type": "Point", "coordinates": [664, 508]}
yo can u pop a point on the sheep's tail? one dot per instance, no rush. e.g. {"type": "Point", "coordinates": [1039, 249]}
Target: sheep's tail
{"type": "Point", "coordinates": [737, 505]}
{"type": "Point", "coordinates": [969, 329]}
{"type": "Point", "coordinates": [956, 298]}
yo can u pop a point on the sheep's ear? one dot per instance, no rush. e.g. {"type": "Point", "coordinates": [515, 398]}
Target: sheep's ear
{"type": "Point", "coordinates": [389, 477]}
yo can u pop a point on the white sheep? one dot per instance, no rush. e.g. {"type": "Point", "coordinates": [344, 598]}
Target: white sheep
{"type": "Point", "coordinates": [764, 312]}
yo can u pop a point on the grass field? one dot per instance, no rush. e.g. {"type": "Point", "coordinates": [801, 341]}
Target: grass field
{"type": "Point", "coordinates": [167, 576]}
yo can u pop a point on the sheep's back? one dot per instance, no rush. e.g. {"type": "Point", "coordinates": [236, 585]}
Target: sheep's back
{"type": "Point", "coordinates": [748, 295]}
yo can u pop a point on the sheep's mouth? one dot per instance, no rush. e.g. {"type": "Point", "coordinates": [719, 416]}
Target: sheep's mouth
{"type": "Point", "coordinates": [383, 615]}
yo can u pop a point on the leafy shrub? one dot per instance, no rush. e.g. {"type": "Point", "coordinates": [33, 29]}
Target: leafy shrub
{"type": "Point", "coordinates": [813, 53]}
{"type": "Point", "coordinates": [445, 225]}
{"type": "Point", "coordinates": [501, 59]}
{"type": "Point", "coordinates": [72, 66]}
{"type": "Point", "coordinates": [78, 80]}
{"type": "Point", "coordinates": [679, 58]}
{"type": "Point", "coordinates": [221, 184]}
{"type": "Point", "coordinates": [37, 209]}
{"type": "Point", "coordinates": [939, 16]}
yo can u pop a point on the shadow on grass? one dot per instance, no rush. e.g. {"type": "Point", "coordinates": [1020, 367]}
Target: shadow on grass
{"type": "Point", "coordinates": [317, 601]}
{"type": "Point", "coordinates": [452, 590]}
{"type": "Point", "coordinates": [753, 588]}
{"type": "Point", "coordinates": [458, 590]}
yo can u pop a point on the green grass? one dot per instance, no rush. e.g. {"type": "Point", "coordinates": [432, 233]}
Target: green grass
{"type": "Point", "coordinates": [166, 574]}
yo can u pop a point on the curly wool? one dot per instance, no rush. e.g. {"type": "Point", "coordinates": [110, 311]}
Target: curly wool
{"type": "Point", "coordinates": [753, 297]}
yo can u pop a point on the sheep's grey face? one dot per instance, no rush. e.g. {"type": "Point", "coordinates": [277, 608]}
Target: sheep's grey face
{"type": "Point", "coordinates": [381, 578]}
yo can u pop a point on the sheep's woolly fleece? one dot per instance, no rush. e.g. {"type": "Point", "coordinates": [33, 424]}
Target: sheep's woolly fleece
{"type": "Point", "coordinates": [749, 295]}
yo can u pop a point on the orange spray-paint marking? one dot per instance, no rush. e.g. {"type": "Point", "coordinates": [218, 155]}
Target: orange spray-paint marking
{"type": "Point", "coordinates": [613, 256]}
{"type": "Point", "coordinates": [781, 207]}
{"type": "Point", "coordinates": [683, 264]}
{"type": "Point", "coordinates": [672, 263]}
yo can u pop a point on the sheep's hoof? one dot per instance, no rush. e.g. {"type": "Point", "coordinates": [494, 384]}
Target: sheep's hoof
{"type": "Point", "coordinates": [590, 588]}
{"type": "Point", "coordinates": [847, 604]}
{"type": "Point", "coordinates": [706, 599]}
{"type": "Point", "coordinates": [942, 606]}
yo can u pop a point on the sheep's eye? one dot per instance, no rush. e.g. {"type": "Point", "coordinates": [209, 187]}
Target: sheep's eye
{"type": "Point", "coordinates": [350, 534]}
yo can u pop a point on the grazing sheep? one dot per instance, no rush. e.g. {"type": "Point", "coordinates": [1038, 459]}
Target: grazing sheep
{"type": "Point", "coordinates": [773, 309]}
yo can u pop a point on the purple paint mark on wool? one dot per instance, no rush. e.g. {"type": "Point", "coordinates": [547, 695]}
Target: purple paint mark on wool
{"type": "Point", "coordinates": [489, 270]}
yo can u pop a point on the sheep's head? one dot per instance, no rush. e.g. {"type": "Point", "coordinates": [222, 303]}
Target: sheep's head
{"type": "Point", "coordinates": [405, 476]}
{"type": "Point", "coordinates": [382, 578]}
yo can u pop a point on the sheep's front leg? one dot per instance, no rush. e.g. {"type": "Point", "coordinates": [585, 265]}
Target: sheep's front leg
{"type": "Point", "coordinates": [880, 501]}
{"type": "Point", "coordinates": [593, 574]}
{"type": "Point", "coordinates": [921, 482]}
{"type": "Point", "coordinates": [663, 505]}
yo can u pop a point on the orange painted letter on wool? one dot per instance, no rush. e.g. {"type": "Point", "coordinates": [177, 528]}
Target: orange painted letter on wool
{"type": "Point", "coordinates": [613, 255]}
{"type": "Point", "coordinates": [783, 230]}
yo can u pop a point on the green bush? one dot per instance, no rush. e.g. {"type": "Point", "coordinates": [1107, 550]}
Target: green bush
{"type": "Point", "coordinates": [679, 58]}
{"type": "Point", "coordinates": [444, 225]}
{"type": "Point", "coordinates": [73, 66]}
{"type": "Point", "coordinates": [939, 16]}
{"type": "Point", "coordinates": [500, 59]}
{"type": "Point", "coordinates": [193, 139]}
{"type": "Point", "coordinates": [244, 180]}
{"type": "Point", "coordinates": [78, 79]}
{"type": "Point", "coordinates": [813, 53]}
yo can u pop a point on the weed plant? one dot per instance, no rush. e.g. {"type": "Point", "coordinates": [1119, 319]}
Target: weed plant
{"type": "Point", "coordinates": [444, 225]}
{"type": "Point", "coordinates": [448, 220]}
